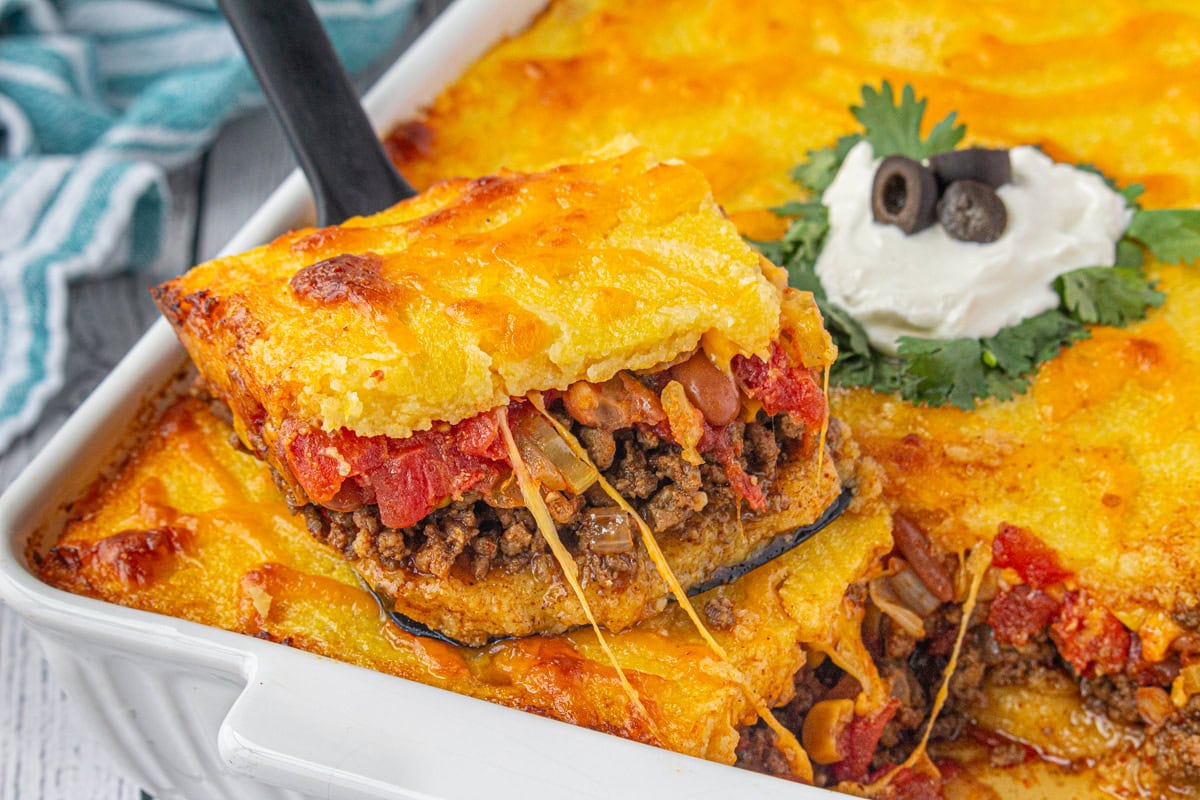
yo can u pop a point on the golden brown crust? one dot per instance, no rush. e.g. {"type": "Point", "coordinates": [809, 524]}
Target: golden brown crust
{"type": "Point", "coordinates": [474, 292]}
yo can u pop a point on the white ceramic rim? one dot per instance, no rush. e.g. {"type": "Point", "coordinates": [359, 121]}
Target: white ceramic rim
{"type": "Point", "coordinates": [377, 736]}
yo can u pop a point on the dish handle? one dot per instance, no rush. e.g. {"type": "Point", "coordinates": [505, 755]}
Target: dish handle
{"type": "Point", "coordinates": [328, 729]}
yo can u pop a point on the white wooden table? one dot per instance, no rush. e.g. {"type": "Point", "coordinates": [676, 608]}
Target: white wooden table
{"type": "Point", "coordinates": [46, 752]}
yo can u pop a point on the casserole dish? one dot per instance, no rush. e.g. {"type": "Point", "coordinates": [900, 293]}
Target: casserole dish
{"type": "Point", "coordinates": [917, 481]}
{"type": "Point", "coordinates": [196, 712]}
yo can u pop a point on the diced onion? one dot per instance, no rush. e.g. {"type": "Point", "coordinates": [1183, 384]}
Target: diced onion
{"type": "Point", "coordinates": [911, 591]}
{"type": "Point", "coordinates": [607, 530]}
{"type": "Point", "coordinates": [505, 494]}
{"type": "Point", "coordinates": [550, 459]}
{"type": "Point", "coordinates": [885, 597]}
{"type": "Point", "coordinates": [1153, 704]}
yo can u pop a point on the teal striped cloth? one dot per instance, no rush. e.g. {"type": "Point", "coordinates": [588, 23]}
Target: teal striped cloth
{"type": "Point", "coordinates": [99, 99]}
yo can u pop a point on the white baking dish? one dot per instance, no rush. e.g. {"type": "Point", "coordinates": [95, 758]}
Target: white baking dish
{"type": "Point", "coordinates": [201, 713]}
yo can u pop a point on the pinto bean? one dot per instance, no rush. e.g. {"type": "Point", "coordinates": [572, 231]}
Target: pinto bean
{"type": "Point", "coordinates": [708, 389]}
{"type": "Point", "coordinates": [916, 548]}
{"type": "Point", "coordinates": [613, 405]}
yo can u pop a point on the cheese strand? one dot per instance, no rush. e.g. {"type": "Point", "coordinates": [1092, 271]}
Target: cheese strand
{"type": "Point", "coordinates": [977, 565]}
{"type": "Point", "coordinates": [537, 506]}
{"type": "Point", "coordinates": [824, 428]}
{"type": "Point", "coordinates": [797, 757]}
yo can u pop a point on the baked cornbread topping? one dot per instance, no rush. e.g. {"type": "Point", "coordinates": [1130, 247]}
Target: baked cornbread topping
{"type": "Point", "coordinates": [380, 368]}
{"type": "Point", "coordinates": [473, 293]}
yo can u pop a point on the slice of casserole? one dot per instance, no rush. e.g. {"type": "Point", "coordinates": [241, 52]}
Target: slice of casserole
{"type": "Point", "coordinates": [193, 527]}
{"type": "Point", "coordinates": [599, 327]}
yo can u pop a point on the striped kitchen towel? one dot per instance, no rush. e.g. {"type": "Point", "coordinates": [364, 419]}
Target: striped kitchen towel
{"type": "Point", "coordinates": [98, 99]}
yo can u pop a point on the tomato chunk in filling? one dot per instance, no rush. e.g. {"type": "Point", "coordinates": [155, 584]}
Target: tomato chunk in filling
{"type": "Point", "coordinates": [409, 478]}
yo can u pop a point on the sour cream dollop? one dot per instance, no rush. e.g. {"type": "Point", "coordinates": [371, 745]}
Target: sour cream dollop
{"type": "Point", "coordinates": [933, 286]}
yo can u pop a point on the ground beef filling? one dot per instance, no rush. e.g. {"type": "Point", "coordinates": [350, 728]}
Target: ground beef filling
{"type": "Point", "coordinates": [914, 670]}
{"type": "Point", "coordinates": [667, 491]}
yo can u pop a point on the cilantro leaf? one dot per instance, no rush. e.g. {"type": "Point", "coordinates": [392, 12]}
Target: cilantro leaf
{"type": "Point", "coordinates": [850, 333]}
{"type": "Point", "coordinates": [1106, 295]}
{"type": "Point", "coordinates": [1129, 255]}
{"type": "Point", "coordinates": [806, 280]}
{"type": "Point", "coordinates": [792, 208]}
{"type": "Point", "coordinates": [801, 244]}
{"type": "Point", "coordinates": [822, 165]}
{"type": "Point", "coordinates": [1019, 348]}
{"type": "Point", "coordinates": [893, 128]}
{"type": "Point", "coordinates": [771, 250]}
{"type": "Point", "coordinates": [858, 364]}
{"type": "Point", "coordinates": [941, 370]}
{"type": "Point", "coordinates": [805, 237]}
{"type": "Point", "coordinates": [1171, 234]}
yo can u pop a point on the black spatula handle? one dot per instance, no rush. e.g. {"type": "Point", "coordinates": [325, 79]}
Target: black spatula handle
{"type": "Point", "coordinates": [313, 101]}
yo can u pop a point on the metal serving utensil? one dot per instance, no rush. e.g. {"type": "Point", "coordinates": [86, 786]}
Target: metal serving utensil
{"type": "Point", "coordinates": [350, 174]}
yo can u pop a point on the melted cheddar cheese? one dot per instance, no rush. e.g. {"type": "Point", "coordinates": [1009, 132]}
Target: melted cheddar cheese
{"type": "Point", "coordinates": [472, 293]}
{"type": "Point", "coordinates": [1099, 459]}
{"type": "Point", "coordinates": [743, 88]}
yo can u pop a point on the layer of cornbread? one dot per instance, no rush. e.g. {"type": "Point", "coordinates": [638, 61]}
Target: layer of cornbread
{"type": "Point", "coordinates": [473, 293]}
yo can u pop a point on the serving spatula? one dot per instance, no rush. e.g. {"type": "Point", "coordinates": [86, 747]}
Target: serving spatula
{"type": "Point", "coordinates": [312, 99]}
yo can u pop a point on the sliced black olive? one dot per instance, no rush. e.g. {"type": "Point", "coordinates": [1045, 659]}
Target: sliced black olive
{"type": "Point", "coordinates": [972, 212]}
{"type": "Point", "coordinates": [904, 194]}
{"type": "Point", "coordinates": [991, 167]}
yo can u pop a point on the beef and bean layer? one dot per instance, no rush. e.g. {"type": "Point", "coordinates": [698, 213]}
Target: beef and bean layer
{"type": "Point", "coordinates": [674, 497]}
{"type": "Point", "coordinates": [1135, 696]}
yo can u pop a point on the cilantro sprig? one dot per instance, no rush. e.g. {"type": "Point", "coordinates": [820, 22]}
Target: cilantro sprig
{"type": "Point", "coordinates": [963, 371]}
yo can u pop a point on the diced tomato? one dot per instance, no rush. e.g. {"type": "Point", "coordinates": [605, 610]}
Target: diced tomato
{"type": "Point", "coordinates": [719, 445]}
{"type": "Point", "coordinates": [780, 386]}
{"type": "Point", "coordinates": [858, 741]}
{"type": "Point", "coordinates": [1019, 549]}
{"type": "Point", "coordinates": [417, 479]}
{"type": "Point", "coordinates": [1020, 613]}
{"type": "Point", "coordinates": [408, 478]}
{"type": "Point", "coordinates": [1089, 637]}
{"type": "Point", "coordinates": [363, 453]}
{"type": "Point", "coordinates": [321, 461]}
{"type": "Point", "coordinates": [355, 493]}
{"type": "Point", "coordinates": [480, 436]}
